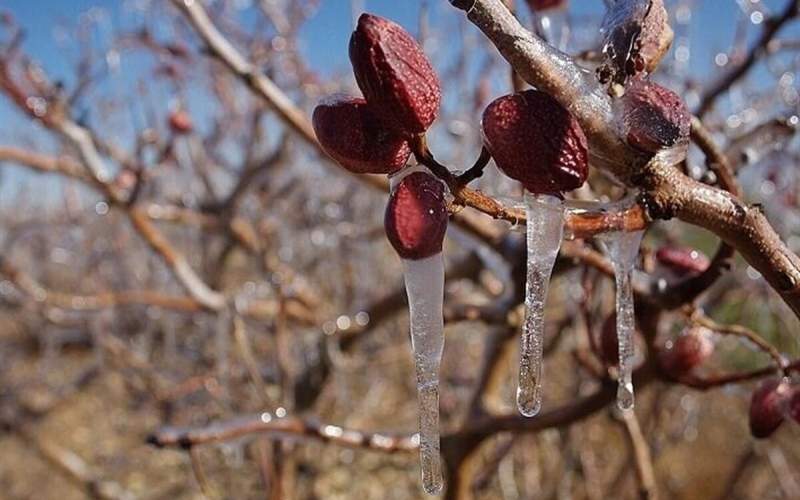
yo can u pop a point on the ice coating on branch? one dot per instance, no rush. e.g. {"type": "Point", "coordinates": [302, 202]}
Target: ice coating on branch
{"type": "Point", "coordinates": [653, 118]}
{"type": "Point", "coordinates": [416, 216]}
{"type": "Point", "coordinates": [545, 229]}
{"type": "Point", "coordinates": [425, 288]}
{"type": "Point", "coordinates": [636, 36]}
{"type": "Point", "coordinates": [395, 75]}
{"type": "Point", "coordinates": [536, 141]}
{"type": "Point", "coordinates": [768, 407]}
{"type": "Point", "coordinates": [350, 133]}
{"type": "Point", "coordinates": [623, 249]}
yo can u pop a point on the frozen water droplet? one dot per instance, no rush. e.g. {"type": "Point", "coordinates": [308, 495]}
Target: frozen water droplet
{"type": "Point", "coordinates": [545, 229]}
{"type": "Point", "coordinates": [425, 288]}
{"type": "Point", "coordinates": [623, 248]}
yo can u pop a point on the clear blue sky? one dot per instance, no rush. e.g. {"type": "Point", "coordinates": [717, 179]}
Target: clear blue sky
{"type": "Point", "coordinates": [324, 38]}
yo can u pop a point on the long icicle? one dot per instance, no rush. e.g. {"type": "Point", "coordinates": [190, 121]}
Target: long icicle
{"type": "Point", "coordinates": [623, 248]}
{"type": "Point", "coordinates": [425, 288]}
{"type": "Point", "coordinates": [545, 229]}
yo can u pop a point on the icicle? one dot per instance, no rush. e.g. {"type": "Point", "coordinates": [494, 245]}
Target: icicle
{"type": "Point", "coordinates": [554, 25]}
{"type": "Point", "coordinates": [545, 228]}
{"type": "Point", "coordinates": [425, 288]}
{"type": "Point", "coordinates": [623, 248]}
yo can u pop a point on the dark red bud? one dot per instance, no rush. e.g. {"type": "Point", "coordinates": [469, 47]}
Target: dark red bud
{"type": "Point", "coordinates": [180, 122]}
{"type": "Point", "coordinates": [536, 141]}
{"type": "Point", "coordinates": [683, 261]}
{"type": "Point", "coordinates": [686, 352]}
{"type": "Point", "coordinates": [416, 216]}
{"type": "Point", "coordinates": [395, 76]}
{"type": "Point", "coordinates": [654, 117]}
{"type": "Point", "coordinates": [794, 405]}
{"type": "Point", "coordinates": [636, 36]}
{"type": "Point", "coordinates": [540, 5]}
{"type": "Point", "coordinates": [768, 407]}
{"type": "Point", "coordinates": [351, 134]}
{"type": "Point", "coordinates": [609, 345]}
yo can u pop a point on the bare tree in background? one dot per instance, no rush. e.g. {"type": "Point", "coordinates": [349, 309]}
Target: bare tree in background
{"type": "Point", "coordinates": [206, 303]}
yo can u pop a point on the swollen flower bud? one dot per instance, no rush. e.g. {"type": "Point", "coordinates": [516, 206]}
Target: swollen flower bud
{"type": "Point", "coordinates": [395, 76]}
{"type": "Point", "coordinates": [609, 345]}
{"type": "Point", "coordinates": [686, 352]}
{"type": "Point", "coordinates": [682, 261]}
{"type": "Point", "coordinates": [180, 122]}
{"type": "Point", "coordinates": [351, 134]}
{"type": "Point", "coordinates": [541, 5]}
{"type": "Point", "coordinates": [654, 117]}
{"type": "Point", "coordinates": [636, 36]}
{"type": "Point", "coordinates": [794, 405]}
{"type": "Point", "coordinates": [536, 141]}
{"type": "Point", "coordinates": [416, 216]}
{"type": "Point", "coordinates": [768, 407]}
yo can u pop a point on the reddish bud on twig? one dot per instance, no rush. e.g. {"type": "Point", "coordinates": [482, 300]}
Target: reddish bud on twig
{"type": "Point", "coordinates": [536, 141]}
{"type": "Point", "coordinates": [609, 344]}
{"type": "Point", "coordinates": [416, 216]}
{"type": "Point", "coordinates": [686, 352]}
{"type": "Point", "coordinates": [395, 76]}
{"type": "Point", "coordinates": [683, 261]}
{"type": "Point", "coordinates": [768, 407]}
{"type": "Point", "coordinates": [351, 134]}
{"type": "Point", "coordinates": [654, 117]}
{"type": "Point", "coordinates": [637, 36]}
{"type": "Point", "coordinates": [794, 405]}
{"type": "Point", "coordinates": [540, 5]}
{"type": "Point", "coordinates": [180, 122]}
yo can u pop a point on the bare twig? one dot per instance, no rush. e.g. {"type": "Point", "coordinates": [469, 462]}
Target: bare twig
{"type": "Point", "coordinates": [759, 48]}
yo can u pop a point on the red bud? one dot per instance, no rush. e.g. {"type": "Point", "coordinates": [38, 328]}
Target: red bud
{"type": "Point", "coordinates": [654, 117]}
{"type": "Point", "coordinates": [609, 344]}
{"type": "Point", "coordinates": [180, 122]}
{"type": "Point", "coordinates": [416, 216]}
{"type": "Point", "coordinates": [395, 76]}
{"type": "Point", "coordinates": [686, 352]}
{"type": "Point", "coordinates": [351, 134]}
{"type": "Point", "coordinates": [683, 261]}
{"type": "Point", "coordinates": [794, 405]}
{"type": "Point", "coordinates": [540, 5]}
{"type": "Point", "coordinates": [767, 407]}
{"type": "Point", "coordinates": [536, 141]}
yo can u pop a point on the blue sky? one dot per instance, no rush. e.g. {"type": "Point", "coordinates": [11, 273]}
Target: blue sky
{"type": "Point", "coordinates": [324, 38]}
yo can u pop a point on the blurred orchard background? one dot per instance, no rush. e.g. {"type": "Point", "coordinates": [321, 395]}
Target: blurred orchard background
{"type": "Point", "coordinates": [175, 254]}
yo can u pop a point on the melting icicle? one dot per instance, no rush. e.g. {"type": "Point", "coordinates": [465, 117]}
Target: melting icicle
{"type": "Point", "coordinates": [554, 25]}
{"type": "Point", "coordinates": [545, 228]}
{"type": "Point", "coordinates": [425, 288]}
{"type": "Point", "coordinates": [623, 248]}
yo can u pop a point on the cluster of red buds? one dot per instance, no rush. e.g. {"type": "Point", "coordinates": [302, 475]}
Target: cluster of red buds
{"type": "Point", "coordinates": [371, 135]}
{"type": "Point", "coordinates": [401, 100]}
